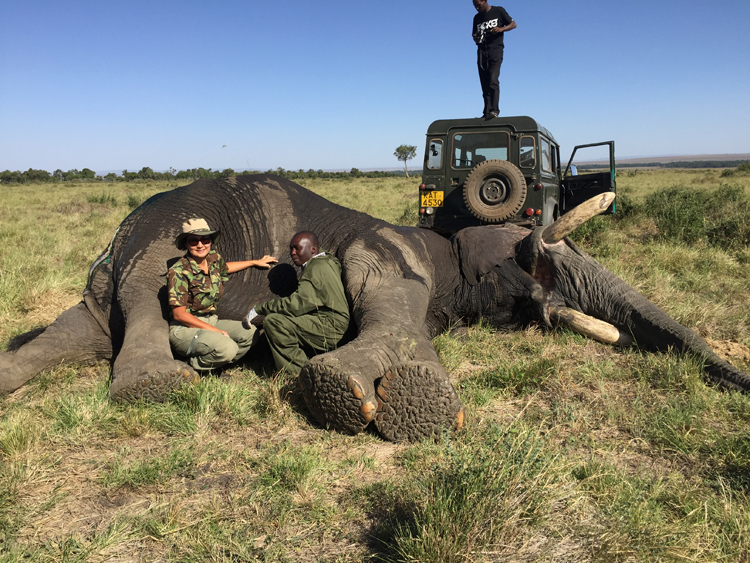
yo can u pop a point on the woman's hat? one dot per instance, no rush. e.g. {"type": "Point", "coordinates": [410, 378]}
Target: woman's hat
{"type": "Point", "coordinates": [195, 226]}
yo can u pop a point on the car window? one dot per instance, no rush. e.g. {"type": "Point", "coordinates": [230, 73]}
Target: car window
{"type": "Point", "coordinates": [435, 154]}
{"type": "Point", "coordinates": [470, 149]}
{"type": "Point", "coordinates": [546, 156]}
{"type": "Point", "coordinates": [527, 156]}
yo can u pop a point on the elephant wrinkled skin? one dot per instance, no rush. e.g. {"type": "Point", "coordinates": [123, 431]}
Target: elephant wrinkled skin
{"type": "Point", "coordinates": [405, 285]}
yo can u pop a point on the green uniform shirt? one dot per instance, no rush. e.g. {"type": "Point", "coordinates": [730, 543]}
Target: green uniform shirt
{"type": "Point", "coordinates": [188, 286]}
{"type": "Point", "coordinates": [320, 292]}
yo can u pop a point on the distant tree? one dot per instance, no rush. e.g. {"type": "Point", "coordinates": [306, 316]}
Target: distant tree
{"type": "Point", "coordinates": [88, 174]}
{"type": "Point", "coordinates": [57, 175]}
{"type": "Point", "coordinates": [32, 175]}
{"type": "Point", "coordinates": [8, 177]}
{"type": "Point", "coordinates": [404, 153]}
{"type": "Point", "coordinates": [111, 177]}
{"type": "Point", "coordinates": [71, 175]}
{"type": "Point", "coordinates": [146, 173]}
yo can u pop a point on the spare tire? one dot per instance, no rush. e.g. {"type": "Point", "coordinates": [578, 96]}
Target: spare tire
{"type": "Point", "coordinates": [495, 190]}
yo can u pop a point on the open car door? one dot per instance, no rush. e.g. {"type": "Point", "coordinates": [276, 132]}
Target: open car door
{"type": "Point", "coordinates": [574, 190]}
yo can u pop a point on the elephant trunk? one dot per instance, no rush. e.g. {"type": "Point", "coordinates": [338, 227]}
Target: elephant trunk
{"type": "Point", "coordinates": [579, 282]}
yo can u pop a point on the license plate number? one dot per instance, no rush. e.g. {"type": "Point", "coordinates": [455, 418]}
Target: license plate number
{"type": "Point", "coordinates": [432, 199]}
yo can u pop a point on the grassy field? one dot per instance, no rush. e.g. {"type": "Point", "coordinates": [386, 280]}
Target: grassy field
{"type": "Point", "coordinates": [572, 450]}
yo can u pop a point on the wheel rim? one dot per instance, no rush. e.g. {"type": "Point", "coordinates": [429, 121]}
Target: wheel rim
{"type": "Point", "coordinates": [494, 191]}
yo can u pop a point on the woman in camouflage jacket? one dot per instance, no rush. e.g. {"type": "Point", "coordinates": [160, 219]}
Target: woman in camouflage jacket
{"type": "Point", "coordinates": [195, 283]}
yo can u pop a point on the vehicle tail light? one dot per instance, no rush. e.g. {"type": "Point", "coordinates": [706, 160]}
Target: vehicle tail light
{"type": "Point", "coordinates": [538, 212]}
{"type": "Point", "coordinates": [422, 186]}
{"type": "Point", "coordinates": [429, 211]}
{"type": "Point", "coordinates": [421, 210]}
{"type": "Point", "coordinates": [529, 212]}
{"type": "Point", "coordinates": [538, 186]}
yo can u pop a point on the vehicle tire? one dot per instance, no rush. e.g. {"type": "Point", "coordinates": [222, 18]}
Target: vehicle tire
{"type": "Point", "coordinates": [495, 190]}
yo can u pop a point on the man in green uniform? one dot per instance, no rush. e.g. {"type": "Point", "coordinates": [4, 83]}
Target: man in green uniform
{"type": "Point", "coordinates": [315, 317]}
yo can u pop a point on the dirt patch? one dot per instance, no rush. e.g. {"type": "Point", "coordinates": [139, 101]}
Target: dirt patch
{"type": "Point", "coordinates": [728, 350]}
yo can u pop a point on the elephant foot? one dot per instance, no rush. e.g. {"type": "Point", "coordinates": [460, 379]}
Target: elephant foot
{"type": "Point", "coordinates": [341, 400]}
{"type": "Point", "coordinates": [416, 401]}
{"type": "Point", "coordinates": [155, 384]}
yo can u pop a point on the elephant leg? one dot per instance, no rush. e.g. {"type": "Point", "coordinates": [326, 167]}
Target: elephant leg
{"type": "Point", "coordinates": [340, 387]}
{"type": "Point", "coordinates": [145, 367]}
{"type": "Point", "coordinates": [416, 399]}
{"type": "Point", "coordinates": [340, 392]}
{"type": "Point", "coordinates": [75, 336]}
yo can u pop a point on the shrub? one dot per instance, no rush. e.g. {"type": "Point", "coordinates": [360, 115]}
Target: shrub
{"type": "Point", "coordinates": [720, 218]}
{"type": "Point", "coordinates": [103, 199]}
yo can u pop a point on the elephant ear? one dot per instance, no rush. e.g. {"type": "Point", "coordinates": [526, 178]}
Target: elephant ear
{"type": "Point", "coordinates": [480, 249]}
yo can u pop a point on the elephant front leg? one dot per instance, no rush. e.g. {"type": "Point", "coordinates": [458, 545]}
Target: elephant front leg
{"type": "Point", "coordinates": [145, 367]}
{"type": "Point", "coordinates": [389, 374]}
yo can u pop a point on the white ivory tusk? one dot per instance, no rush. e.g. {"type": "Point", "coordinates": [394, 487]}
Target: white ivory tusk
{"type": "Point", "coordinates": [589, 326]}
{"type": "Point", "coordinates": [577, 217]}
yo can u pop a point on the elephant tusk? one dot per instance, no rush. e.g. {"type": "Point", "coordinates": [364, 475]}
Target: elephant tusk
{"type": "Point", "coordinates": [589, 326]}
{"type": "Point", "coordinates": [577, 217]}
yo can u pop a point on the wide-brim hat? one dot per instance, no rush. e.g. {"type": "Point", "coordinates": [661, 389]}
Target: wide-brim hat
{"type": "Point", "coordinates": [195, 226]}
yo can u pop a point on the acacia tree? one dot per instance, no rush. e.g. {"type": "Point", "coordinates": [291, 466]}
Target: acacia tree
{"type": "Point", "coordinates": [404, 153]}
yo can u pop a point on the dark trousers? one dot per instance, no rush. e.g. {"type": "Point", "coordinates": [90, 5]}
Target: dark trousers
{"type": "Point", "coordinates": [488, 63]}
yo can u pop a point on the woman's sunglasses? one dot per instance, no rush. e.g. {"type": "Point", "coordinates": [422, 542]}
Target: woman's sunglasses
{"type": "Point", "coordinates": [194, 241]}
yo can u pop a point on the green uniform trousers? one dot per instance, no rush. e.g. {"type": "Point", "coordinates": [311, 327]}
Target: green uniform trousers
{"type": "Point", "coordinates": [206, 349]}
{"type": "Point", "coordinates": [290, 337]}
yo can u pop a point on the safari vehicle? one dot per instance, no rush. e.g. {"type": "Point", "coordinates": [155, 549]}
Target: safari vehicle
{"type": "Point", "coordinates": [505, 169]}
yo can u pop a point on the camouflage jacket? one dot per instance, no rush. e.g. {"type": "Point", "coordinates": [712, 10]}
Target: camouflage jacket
{"type": "Point", "coordinates": [188, 286]}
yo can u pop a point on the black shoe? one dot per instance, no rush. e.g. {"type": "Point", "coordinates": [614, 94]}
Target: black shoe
{"type": "Point", "coordinates": [492, 114]}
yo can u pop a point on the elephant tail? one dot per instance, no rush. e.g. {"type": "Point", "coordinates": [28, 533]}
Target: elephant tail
{"type": "Point", "coordinates": [96, 311]}
{"type": "Point", "coordinates": [102, 319]}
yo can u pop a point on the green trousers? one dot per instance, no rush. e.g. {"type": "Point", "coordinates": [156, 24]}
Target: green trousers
{"type": "Point", "coordinates": [206, 349]}
{"type": "Point", "coordinates": [291, 337]}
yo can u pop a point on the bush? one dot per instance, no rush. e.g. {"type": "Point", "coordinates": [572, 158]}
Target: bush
{"type": "Point", "coordinates": [720, 218]}
{"type": "Point", "coordinates": [741, 170]}
{"type": "Point", "coordinates": [679, 214]}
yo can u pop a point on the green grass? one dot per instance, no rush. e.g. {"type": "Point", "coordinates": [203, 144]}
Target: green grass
{"type": "Point", "coordinates": [572, 450]}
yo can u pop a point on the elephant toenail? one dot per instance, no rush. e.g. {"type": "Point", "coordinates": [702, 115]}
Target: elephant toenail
{"type": "Point", "coordinates": [459, 422]}
{"type": "Point", "coordinates": [356, 388]}
{"type": "Point", "coordinates": [368, 411]}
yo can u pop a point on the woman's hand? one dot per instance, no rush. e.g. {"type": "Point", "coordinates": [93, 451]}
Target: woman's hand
{"type": "Point", "coordinates": [182, 316]}
{"type": "Point", "coordinates": [265, 262]}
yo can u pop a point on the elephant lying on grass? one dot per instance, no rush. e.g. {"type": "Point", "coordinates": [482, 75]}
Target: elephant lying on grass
{"type": "Point", "coordinates": [405, 285]}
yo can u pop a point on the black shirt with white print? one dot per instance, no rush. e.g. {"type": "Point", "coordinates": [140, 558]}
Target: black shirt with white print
{"type": "Point", "coordinates": [483, 22]}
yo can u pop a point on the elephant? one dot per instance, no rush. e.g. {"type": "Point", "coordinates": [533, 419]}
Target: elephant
{"type": "Point", "coordinates": [405, 285]}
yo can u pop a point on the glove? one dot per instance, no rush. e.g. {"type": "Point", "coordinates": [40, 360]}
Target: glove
{"type": "Point", "coordinates": [250, 316]}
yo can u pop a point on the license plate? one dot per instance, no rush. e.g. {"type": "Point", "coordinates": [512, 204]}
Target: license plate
{"type": "Point", "coordinates": [432, 199]}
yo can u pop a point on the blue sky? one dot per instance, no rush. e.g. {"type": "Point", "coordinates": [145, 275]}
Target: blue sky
{"type": "Point", "coordinates": [113, 85]}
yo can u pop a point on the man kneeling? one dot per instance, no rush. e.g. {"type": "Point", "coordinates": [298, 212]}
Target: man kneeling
{"type": "Point", "coordinates": [315, 317]}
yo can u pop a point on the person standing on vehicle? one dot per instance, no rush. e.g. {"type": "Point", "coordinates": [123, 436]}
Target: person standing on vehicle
{"type": "Point", "coordinates": [490, 25]}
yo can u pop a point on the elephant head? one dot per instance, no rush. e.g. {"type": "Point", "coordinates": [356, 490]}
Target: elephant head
{"type": "Point", "coordinates": [518, 277]}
